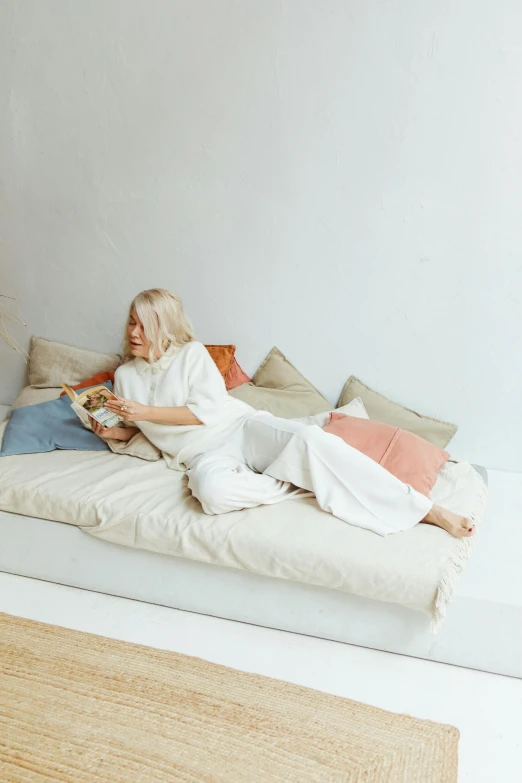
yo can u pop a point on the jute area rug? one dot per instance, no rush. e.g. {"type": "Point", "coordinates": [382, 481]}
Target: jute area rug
{"type": "Point", "coordinates": [81, 708]}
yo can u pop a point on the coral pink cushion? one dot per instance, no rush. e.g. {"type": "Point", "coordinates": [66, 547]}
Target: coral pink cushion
{"type": "Point", "coordinates": [235, 376]}
{"type": "Point", "coordinates": [412, 459]}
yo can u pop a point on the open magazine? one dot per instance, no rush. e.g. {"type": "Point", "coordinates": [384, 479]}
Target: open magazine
{"type": "Point", "coordinates": [89, 404]}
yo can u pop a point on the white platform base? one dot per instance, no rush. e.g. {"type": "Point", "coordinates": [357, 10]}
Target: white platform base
{"type": "Point", "coordinates": [483, 629]}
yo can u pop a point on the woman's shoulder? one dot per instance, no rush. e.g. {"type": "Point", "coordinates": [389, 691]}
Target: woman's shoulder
{"type": "Point", "coordinates": [193, 348]}
{"type": "Point", "coordinates": [126, 368]}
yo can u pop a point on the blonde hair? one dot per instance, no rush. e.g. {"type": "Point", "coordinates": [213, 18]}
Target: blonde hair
{"type": "Point", "coordinates": [164, 322]}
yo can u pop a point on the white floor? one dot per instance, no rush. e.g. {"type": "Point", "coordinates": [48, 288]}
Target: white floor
{"type": "Point", "coordinates": [486, 708]}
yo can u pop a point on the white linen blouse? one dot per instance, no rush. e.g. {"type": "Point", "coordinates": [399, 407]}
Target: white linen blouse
{"type": "Point", "coordinates": [184, 376]}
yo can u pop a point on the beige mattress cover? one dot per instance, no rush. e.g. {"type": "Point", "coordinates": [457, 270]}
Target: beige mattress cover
{"type": "Point", "coordinates": [142, 504]}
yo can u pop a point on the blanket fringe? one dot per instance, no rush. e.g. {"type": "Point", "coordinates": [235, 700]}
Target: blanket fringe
{"type": "Point", "coordinates": [457, 561]}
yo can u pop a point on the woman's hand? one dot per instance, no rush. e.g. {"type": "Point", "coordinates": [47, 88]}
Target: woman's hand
{"type": "Point", "coordinates": [109, 433]}
{"type": "Point", "coordinates": [128, 409]}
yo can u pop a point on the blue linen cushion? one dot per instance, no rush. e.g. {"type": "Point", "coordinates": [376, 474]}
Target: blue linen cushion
{"type": "Point", "coordinates": [48, 426]}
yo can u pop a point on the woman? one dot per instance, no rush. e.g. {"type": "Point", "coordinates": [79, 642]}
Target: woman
{"type": "Point", "coordinates": [235, 456]}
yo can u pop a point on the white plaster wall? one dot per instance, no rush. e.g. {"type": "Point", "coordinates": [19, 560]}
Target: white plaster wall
{"type": "Point", "coordinates": [339, 178]}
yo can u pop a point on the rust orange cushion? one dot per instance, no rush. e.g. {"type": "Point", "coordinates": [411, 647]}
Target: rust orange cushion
{"type": "Point", "coordinates": [412, 459]}
{"type": "Point", "coordinates": [96, 380]}
{"type": "Point", "coordinates": [223, 356]}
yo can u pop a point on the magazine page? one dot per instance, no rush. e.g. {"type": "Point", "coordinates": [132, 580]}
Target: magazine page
{"type": "Point", "coordinates": [93, 400]}
{"type": "Point", "coordinates": [82, 415]}
{"type": "Point", "coordinates": [70, 391]}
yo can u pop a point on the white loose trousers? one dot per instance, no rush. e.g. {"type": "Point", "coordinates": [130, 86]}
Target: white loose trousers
{"type": "Point", "coordinates": [262, 459]}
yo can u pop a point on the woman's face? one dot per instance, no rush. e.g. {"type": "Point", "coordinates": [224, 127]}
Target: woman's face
{"type": "Point", "coordinates": [139, 345]}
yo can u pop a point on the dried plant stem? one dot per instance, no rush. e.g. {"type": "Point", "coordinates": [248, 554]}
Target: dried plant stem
{"type": "Point", "coordinates": [4, 332]}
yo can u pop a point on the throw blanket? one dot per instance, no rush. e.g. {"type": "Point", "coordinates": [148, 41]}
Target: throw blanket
{"type": "Point", "coordinates": [143, 504]}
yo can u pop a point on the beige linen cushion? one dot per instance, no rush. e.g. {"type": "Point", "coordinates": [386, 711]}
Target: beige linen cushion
{"type": "Point", "coordinates": [138, 446]}
{"type": "Point", "coordinates": [280, 389]}
{"type": "Point", "coordinates": [384, 410]}
{"type": "Point", "coordinates": [51, 364]}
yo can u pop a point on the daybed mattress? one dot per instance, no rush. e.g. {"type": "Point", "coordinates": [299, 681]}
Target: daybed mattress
{"type": "Point", "coordinates": [141, 504]}
{"type": "Point", "coordinates": [489, 594]}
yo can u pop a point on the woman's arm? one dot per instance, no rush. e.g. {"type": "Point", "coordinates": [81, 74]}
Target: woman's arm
{"type": "Point", "coordinates": [113, 433]}
{"type": "Point", "coordinates": [181, 415]}
{"type": "Point", "coordinates": [130, 410]}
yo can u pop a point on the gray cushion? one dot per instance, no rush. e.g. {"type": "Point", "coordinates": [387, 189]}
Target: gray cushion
{"type": "Point", "coordinates": [47, 426]}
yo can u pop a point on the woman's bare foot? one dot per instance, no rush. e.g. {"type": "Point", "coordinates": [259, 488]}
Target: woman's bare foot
{"type": "Point", "coordinates": [460, 527]}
